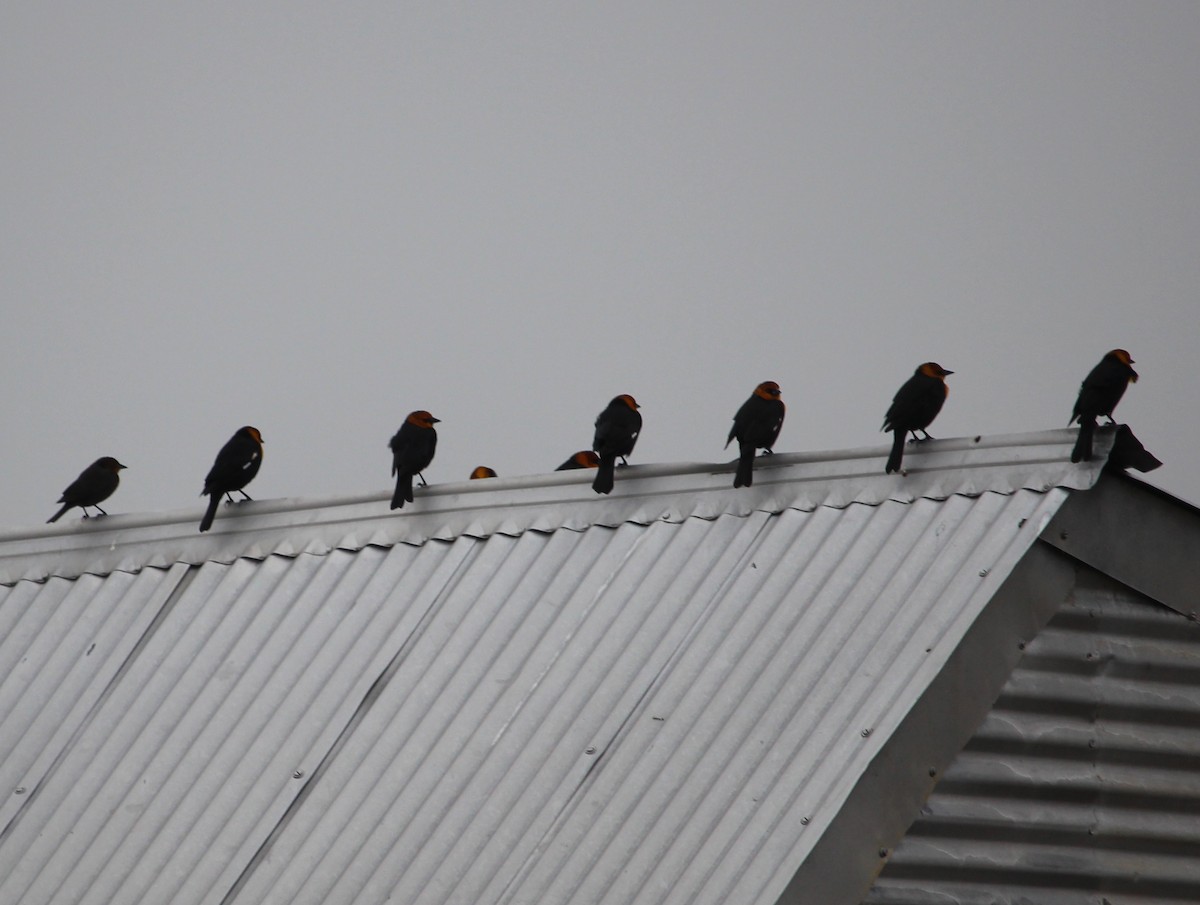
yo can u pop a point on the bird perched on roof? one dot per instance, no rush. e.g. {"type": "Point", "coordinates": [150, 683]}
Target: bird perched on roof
{"type": "Point", "coordinates": [756, 426]}
{"type": "Point", "coordinates": [1099, 394]}
{"type": "Point", "coordinates": [236, 465]}
{"type": "Point", "coordinates": [412, 448]}
{"type": "Point", "coordinates": [585, 458]}
{"type": "Point", "coordinates": [482, 471]}
{"type": "Point", "coordinates": [94, 485]}
{"type": "Point", "coordinates": [617, 429]}
{"type": "Point", "coordinates": [914, 407]}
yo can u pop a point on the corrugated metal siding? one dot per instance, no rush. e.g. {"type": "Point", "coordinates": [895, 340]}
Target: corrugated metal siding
{"type": "Point", "coordinates": [654, 713]}
{"type": "Point", "coordinates": [1083, 784]}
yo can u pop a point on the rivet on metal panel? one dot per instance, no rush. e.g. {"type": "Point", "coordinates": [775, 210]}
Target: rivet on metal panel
{"type": "Point", "coordinates": [804, 821]}
{"type": "Point", "coordinates": [883, 853]}
{"type": "Point", "coordinates": [1091, 743]}
{"type": "Point", "coordinates": [1062, 536]}
{"type": "Point", "coordinates": [298, 774]}
{"type": "Point", "coordinates": [590, 749]}
{"type": "Point", "coordinates": [983, 573]}
{"type": "Point", "coordinates": [932, 771]}
{"type": "Point", "coordinates": [865, 733]}
{"type": "Point", "coordinates": [20, 790]}
{"type": "Point", "coordinates": [1021, 523]}
{"type": "Point", "coordinates": [1020, 645]}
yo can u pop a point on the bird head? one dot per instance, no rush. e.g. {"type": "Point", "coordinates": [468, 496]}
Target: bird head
{"type": "Point", "coordinates": [585, 458]}
{"type": "Point", "coordinates": [768, 389]}
{"type": "Point", "coordinates": [1126, 359]}
{"type": "Point", "coordinates": [422, 418]}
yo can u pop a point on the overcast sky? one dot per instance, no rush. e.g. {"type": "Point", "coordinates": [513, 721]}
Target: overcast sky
{"type": "Point", "coordinates": [316, 217]}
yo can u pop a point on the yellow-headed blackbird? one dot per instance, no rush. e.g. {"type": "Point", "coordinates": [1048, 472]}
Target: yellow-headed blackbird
{"type": "Point", "coordinates": [1099, 394]}
{"type": "Point", "coordinates": [94, 485]}
{"type": "Point", "coordinates": [236, 465]}
{"type": "Point", "coordinates": [756, 426]}
{"type": "Point", "coordinates": [585, 458]}
{"type": "Point", "coordinates": [914, 407]}
{"type": "Point", "coordinates": [482, 471]}
{"type": "Point", "coordinates": [412, 451]}
{"type": "Point", "coordinates": [617, 429]}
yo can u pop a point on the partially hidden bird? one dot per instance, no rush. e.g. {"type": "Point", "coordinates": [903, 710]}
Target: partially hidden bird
{"type": "Point", "coordinates": [1099, 394]}
{"type": "Point", "coordinates": [913, 409]}
{"type": "Point", "coordinates": [756, 426]}
{"type": "Point", "coordinates": [412, 448]}
{"type": "Point", "coordinates": [585, 458]}
{"type": "Point", "coordinates": [617, 429]}
{"type": "Point", "coordinates": [94, 485]}
{"type": "Point", "coordinates": [236, 465]}
{"type": "Point", "coordinates": [482, 471]}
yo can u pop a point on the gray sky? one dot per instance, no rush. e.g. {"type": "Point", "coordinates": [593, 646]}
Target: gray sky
{"type": "Point", "coordinates": [315, 218]}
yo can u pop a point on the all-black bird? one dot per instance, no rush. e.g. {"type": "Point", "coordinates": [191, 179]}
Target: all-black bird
{"type": "Point", "coordinates": [756, 426]}
{"type": "Point", "coordinates": [585, 458]}
{"type": "Point", "coordinates": [412, 450]}
{"type": "Point", "coordinates": [914, 407]}
{"type": "Point", "coordinates": [94, 485]}
{"type": "Point", "coordinates": [236, 465]}
{"type": "Point", "coordinates": [617, 429]}
{"type": "Point", "coordinates": [1099, 394]}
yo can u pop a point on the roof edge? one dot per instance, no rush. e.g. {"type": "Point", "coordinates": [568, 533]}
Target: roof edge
{"type": "Point", "coordinates": [968, 466]}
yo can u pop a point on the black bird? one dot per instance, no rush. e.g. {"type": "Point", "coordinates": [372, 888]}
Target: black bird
{"type": "Point", "coordinates": [756, 426]}
{"type": "Point", "coordinates": [412, 450]}
{"type": "Point", "coordinates": [236, 465]}
{"type": "Point", "coordinates": [914, 407]}
{"type": "Point", "coordinates": [617, 429]}
{"type": "Point", "coordinates": [585, 458]}
{"type": "Point", "coordinates": [94, 485]}
{"type": "Point", "coordinates": [1099, 394]}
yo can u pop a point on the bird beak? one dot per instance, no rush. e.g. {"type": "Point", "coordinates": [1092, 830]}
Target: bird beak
{"type": "Point", "coordinates": [946, 373]}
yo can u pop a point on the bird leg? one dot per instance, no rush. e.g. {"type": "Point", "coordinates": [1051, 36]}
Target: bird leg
{"type": "Point", "coordinates": [246, 496]}
{"type": "Point", "coordinates": [422, 477]}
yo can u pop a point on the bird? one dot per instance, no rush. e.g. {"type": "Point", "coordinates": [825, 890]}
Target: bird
{"type": "Point", "coordinates": [482, 471]}
{"type": "Point", "coordinates": [914, 407]}
{"type": "Point", "coordinates": [617, 429]}
{"type": "Point", "coordinates": [756, 426]}
{"type": "Point", "coordinates": [585, 458]}
{"type": "Point", "coordinates": [94, 485]}
{"type": "Point", "coordinates": [1099, 394]}
{"type": "Point", "coordinates": [412, 451]}
{"type": "Point", "coordinates": [236, 465]}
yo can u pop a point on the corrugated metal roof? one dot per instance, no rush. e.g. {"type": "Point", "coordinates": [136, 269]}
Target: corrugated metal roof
{"type": "Point", "coordinates": [468, 703]}
{"type": "Point", "coordinates": [1083, 783]}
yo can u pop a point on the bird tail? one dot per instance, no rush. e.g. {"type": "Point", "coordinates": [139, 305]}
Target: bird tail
{"type": "Point", "coordinates": [214, 500]}
{"type": "Point", "coordinates": [745, 468]}
{"type": "Point", "coordinates": [1083, 443]}
{"type": "Point", "coordinates": [604, 475]}
{"type": "Point", "coordinates": [404, 490]}
{"type": "Point", "coordinates": [897, 457]}
{"type": "Point", "coordinates": [60, 513]}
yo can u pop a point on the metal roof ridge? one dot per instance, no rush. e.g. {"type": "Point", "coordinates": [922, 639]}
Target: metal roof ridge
{"type": "Point", "coordinates": [938, 469]}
